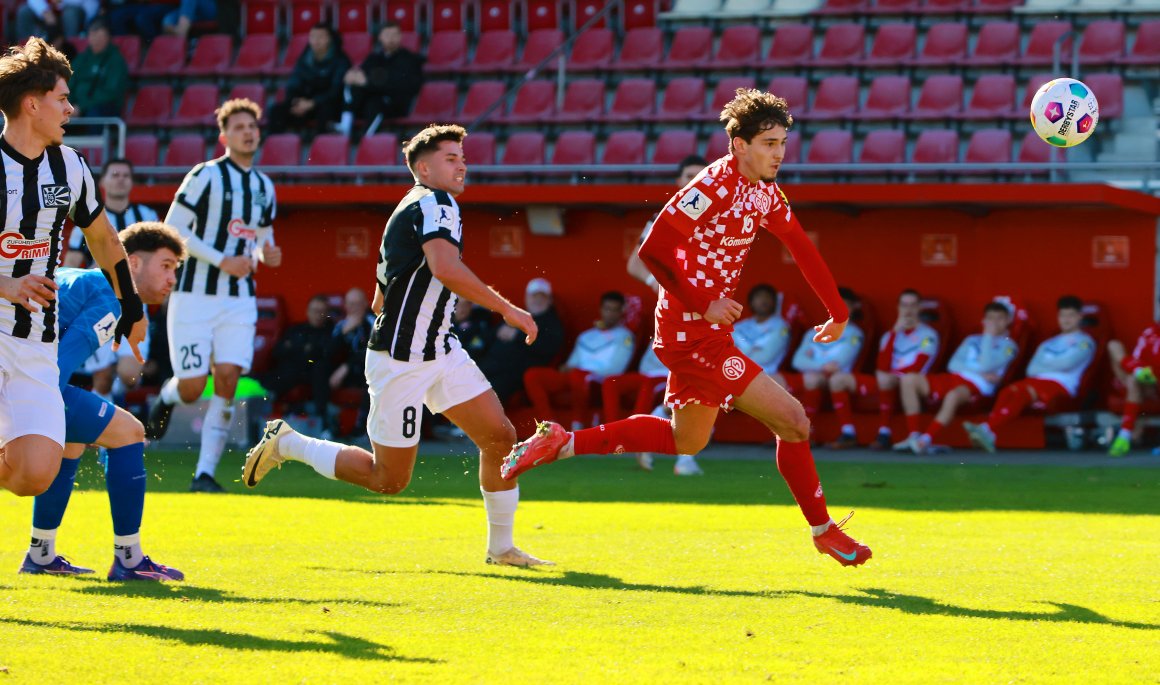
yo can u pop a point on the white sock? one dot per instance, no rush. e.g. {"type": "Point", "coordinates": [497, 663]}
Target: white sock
{"type": "Point", "coordinates": [501, 518]}
{"type": "Point", "coordinates": [568, 451]}
{"type": "Point", "coordinates": [320, 455]}
{"type": "Point", "coordinates": [346, 122]}
{"type": "Point", "coordinates": [169, 394]}
{"type": "Point", "coordinates": [128, 549]}
{"type": "Point", "coordinates": [214, 433]}
{"type": "Point", "coordinates": [818, 530]}
{"type": "Point", "coordinates": [43, 546]}
{"type": "Point", "coordinates": [848, 429]}
{"type": "Point", "coordinates": [884, 431]}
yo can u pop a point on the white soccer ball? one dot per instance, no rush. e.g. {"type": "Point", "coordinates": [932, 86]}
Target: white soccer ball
{"type": "Point", "coordinates": [1064, 112]}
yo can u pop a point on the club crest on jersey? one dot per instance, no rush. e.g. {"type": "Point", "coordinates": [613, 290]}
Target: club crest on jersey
{"type": "Point", "coordinates": [14, 245]}
{"type": "Point", "coordinates": [55, 196]}
{"type": "Point", "coordinates": [733, 368]}
{"type": "Point", "coordinates": [761, 202]}
{"type": "Point", "coordinates": [239, 229]}
{"type": "Point", "coordinates": [694, 203]}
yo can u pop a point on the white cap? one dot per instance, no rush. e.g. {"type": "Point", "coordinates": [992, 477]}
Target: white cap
{"type": "Point", "coordinates": [539, 285]}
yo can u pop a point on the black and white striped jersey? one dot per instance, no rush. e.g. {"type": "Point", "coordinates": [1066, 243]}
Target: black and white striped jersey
{"type": "Point", "coordinates": [415, 323]}
{"type": "Point", "coordinates": [223, 207]}
{"type": "Point", "coordinates": [120, 220]}
{"type": "Point", "coordinates": [39, 195]}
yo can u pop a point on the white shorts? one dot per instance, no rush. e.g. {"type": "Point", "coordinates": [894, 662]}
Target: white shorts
{"type": "Point", "coordinates": [30, 402]}
{"type": "Point", "coordinates": [205, 327]}
{"type": "Point", "coordinates": [398, 389]}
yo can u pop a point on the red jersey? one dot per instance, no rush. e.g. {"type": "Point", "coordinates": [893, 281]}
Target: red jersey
{"type": "Point", "coordinates": [1147, 352]}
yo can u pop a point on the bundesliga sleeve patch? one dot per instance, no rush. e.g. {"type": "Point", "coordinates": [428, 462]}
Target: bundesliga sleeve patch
{"type": "Point", "coordinates": [694, 203]}
{"type": "Point", "coordinates": [105, 327]}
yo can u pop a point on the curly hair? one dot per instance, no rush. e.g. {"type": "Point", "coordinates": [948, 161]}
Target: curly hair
{"type": "Point", "coordinates": [236, 106]}
{"type": "Point", "coordinates": [752, 111]}
{"type": "Point", "coordinates": [151, 236]}
{"type": "Point", "coordinates": [428, 140]}
{"type": "Point", "coordinates": [34, 67]}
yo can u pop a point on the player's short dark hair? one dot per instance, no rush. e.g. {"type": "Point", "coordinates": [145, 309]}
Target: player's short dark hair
{"type": "Point", "coordinates": [428, 140]}
{"type": "Point", "coordinates": [98, 24]}
{"type": "Point", "coordinates": [909, 291]}
{"type": "Point", "coordinates": [237, 106]}
{"type": "Point", "coordinates": [762, 288]}
{"type": "Point", "coordinates": [116, 160]}
{"type": "Point", "coordinates": [32, 68]}
{"type": "Point", "coordinates": [390, 25]}
{"type": "Point", "coordinates": [613, 296]}
{"type": "Point", "coordinates": [752, 111]}
{"type": "Point", "coordinates": [1070, 302]}
{"type": "Point", "coordinates": [692, 160]}
{"type": "Point", "coordinates": [151, 236]}
{"type": "Point", "coordinates": [319, 297]}
{"type": "Point", "coordinates": [848, 294]}
{"type": "Point", "coordinates": [994, 306]}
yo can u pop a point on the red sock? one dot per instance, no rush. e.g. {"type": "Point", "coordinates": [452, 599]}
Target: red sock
{"type": "Point", "coordinates": [912, 423]}
{"type": "Point", "coordinates": [1131, 411]}
{"type": "Point", "coordinates": [640, 433]}
{"type": "Point", "coordinates": [934, 429]}
{"type": "Point", "coordinates": [796, 464]}
{"type": "Point", "coordinates": [885, 409]}
{"type": "Point", "coordinates": [1010, 404]}
{"type": "Point", "coordinates": [841, 402]}
{"type": "Point", "coordinates": [811, 401]}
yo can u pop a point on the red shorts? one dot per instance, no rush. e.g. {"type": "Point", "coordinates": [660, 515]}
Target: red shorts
{"type": "Point", "coordinates": [1045, 391]}
{"type": "Point", "coordinates": [942, 383]}
{"type": "Point", "coordinates": [709, 371]}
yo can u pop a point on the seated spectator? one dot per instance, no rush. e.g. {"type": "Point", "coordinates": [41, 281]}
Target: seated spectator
{"type": "Point", "coordinates": [188, 13]}
{"type": "Point", "coordinates": [299, 358]}
{"type": "Point", "coordinates": [1054, 372]}
{"type": "Point", "coordinates": [509, 356]}
{"type": "Point", "coordinates": [600, 352]}
{"type": "Point", "coordinates": [100, 77]}
{"type": "Point", "coordinates": [817, 361]}
{"type": "Point", "coordinates": [127, 18]}
{"type": "Point", "coordinates": [1136, 373]}
{"type": "Point", "coordinates": [763, 337]}
{"type": "Point", "coordinates": [117, 184]}
{"type": "Point", "coordinates": [314, 91]}
{"type": "Point", "coordinates": [41, 17]}
{"type": "Point", "coordinates": [974, 371]}
{"type": "Point", "coordinates": [383, 86]}
{"type": "Point", "coordinates": [472, 325]}
{"type": "Point", "coordinates": [909, 347]}
{"type": "Point", "coordinates": [348, 350]}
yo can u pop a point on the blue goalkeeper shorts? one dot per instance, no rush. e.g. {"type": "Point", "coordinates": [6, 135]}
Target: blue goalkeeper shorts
{"type": "Point", "coordinates": [86, 415]}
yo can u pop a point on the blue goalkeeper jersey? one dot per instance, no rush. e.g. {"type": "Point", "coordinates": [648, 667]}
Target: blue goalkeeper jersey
{"type": "Point", "coordinates": [87, 313]}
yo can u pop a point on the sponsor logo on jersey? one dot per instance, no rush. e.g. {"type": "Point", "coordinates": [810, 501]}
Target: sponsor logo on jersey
{"type": "Point", "coordinates": [104, 328]}
{"type": "Point", "coordinates": [55, 196]}
{"type": "Point", "coordinates": [239, 229]}
{"type": "Point", "coordinates": [733, 368]}
{"type": "Point", "coordinates": [737, 242]}
{"type": "Point", "coordinates": [13, 245]}
{"type": "Point", "coordinates": [694, 203]}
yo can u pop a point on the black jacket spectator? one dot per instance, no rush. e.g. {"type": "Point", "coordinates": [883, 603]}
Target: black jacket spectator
{"type": "Point", "coordinates": [301, 358]}
{"type": "Point", "coordinates": [314, 91]}
{"type": "Point", "coordinates": [473, 327]}
{"type": "Point", "coordinates": [385, 83]}
{"type": "Point", "coordinates": [508, 358]}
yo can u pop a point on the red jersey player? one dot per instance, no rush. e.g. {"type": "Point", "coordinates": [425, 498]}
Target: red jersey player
{"type": "Point", "coordinates": [696, 250]}
{"type": "Point", "coordinates": [1136, 372]}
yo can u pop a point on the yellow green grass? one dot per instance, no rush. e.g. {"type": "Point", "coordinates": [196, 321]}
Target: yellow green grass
{"type": "Point", "coordinates": [980, 574]}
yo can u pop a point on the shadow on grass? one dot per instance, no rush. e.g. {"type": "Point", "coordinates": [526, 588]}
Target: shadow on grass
{"type": "Point", "coordinates": [183, 592]}
{"type": "Point", "coordinates": [331, 642]}
{"type": "Point", "coordinates": [871, 597]}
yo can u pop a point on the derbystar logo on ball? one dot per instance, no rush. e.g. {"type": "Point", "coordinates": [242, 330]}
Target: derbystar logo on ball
{"type": "Point", "coordinates": [15, 246]}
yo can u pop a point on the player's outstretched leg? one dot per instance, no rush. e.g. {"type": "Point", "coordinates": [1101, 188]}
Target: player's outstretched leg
{"type": "Point", "coordinates": [125, 479]}
{"type": "Point", "coordinates": [550, 442]}
{"type": "Point", "coordinates": [47, 513]}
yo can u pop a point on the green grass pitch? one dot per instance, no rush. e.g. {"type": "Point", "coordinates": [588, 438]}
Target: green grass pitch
{"type": "Point", "coordinates": [981, 574]}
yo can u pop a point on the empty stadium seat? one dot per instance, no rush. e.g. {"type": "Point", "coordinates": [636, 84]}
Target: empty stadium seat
{"type": "Point", "coordinates": [1003, 7]}
{"type": "Point", "coordinates": [256, 56]}
{"type": "Point", "coordinates": [304, 15]}
{"type": "Point", "coordinates": [328, 149]}
{"type": "Point", "coordinates": [1040, 48]}
{"type": "Point", "coordinates": [843, 7]}
{"type": "Point", "coordinates": [637, 13]}
{"type": "Point", "coordinates": [130, 47]}
{"type": "Point", "coordinates": [261, 17]}
{"type": "Point", "coordinates": [357, 46]}
{"type": "Point", "coordinates": [1102, 42]}
{"type": "Point", "coordinates": [496, 51]}
{"type": "Point", "coordinates": [635, 100]}
{"type": "Point", "coordinates": [1146, 48]}
{"type": "Point", "coordinates": [726, 90]}
{"type": "Point", "coordinates": [152, 106]}
{"type": "Point", "coordinates": [883, 146]}
{"type": "Point", "coordinates": [833, 146]}
{"type": "Point", "coordinates": [932, 7]}
{"type": "Point", "coordinates": [1109, 90]}
{"type": "Point", "coordinates": [941, 97]}
{"type": "Point", "coordinates": [294, 50]}
{"type": "Point", "coordinates": [584, 10]}
{"type": "Point", "coordinates": [889, 98]}
{"type": "Point", "coordinates": [624, 147]}
{"type": "Point", "coordinates": [254, 92]}
{"type": "Point", "coordinates": [793, 149]}
{"type": "Point", "coordinates": [583, 101]}
{"type": "Point", "coordinates": [592, 50]}
{"type": "Point", "coordinates": [640, 50]}
{"type": "Point", "coordinates": [691, 48]}
{"type": "Point", "coordinates": [185, 151]}
{"type": "Point", "coordinates": [379, 149]}
{"type": "Point", "coordinates": [792, 45]}
{"type": "Point", "coordinates": [992, 98]}
{"type": "Point", "coordinates": [740, 47]}
{"type": "Point", "coordinates": [1033, 85]}
{"type": "Point", "coordinates": [141, 149]}
{"type": "Point", "coordinates": [479, 148]}
{"type": "Point", "coordinates": [893, 7]}
{"type": "Point", "coordinates": [989, 146]}
{"type": "Point", "coordinates": [197, 106]}
{"type": "Point", "coordinates": [352, 16]}
{"type": "Point", "coordinates": [672, 146]}
{"type": "Point", "coordinates": [936, 147]}
{"type": "Point", "coordinates": [481, 96]}
{"type": "Point", "coordinates": [535, 102]}
{"type": "Point", "coordinates": [525, 147]}
{"type": "Point", "coordinates": [836, 98]}
{"type": "Point", "coordinates": [718, 146]}
{"type": "Point", "coordinates": [575, 147]}
{"type": "Point", "coordinates": [539, 44]}
{"type": "Point", "coordinates": [842, 45]}
{"type": "Point", "coordinates": [997, 43]}
{"type": "Point", "coordinates": [1034, 150]}
{"type": "Point", "coordinates": [683, 99]}
{"type": "Point", "coordinates": [946, 44]}
{"type": "Point", "coordinates": [542, 14]}
{"type": "Point", "coordinates": [165, 57]}
{"type": "Point", "coordinates": [435, 102]}
{"type": "Point", "coordinates": [282, 149]}
{"type": "Point", "coordinates": [793, 89]}
{"type": "Point", "coordinates": [447, 15]}
{"type": "Point", "coordinates": [893, 44]}
{"type": "Point", "coordinates": [211, 56]}
{"type": "Point", "coordinates": [494, 15]}
{"type": "Point", "coordinates": [448, 52]}
{"type": "Point", "coordinates": [404, 13]}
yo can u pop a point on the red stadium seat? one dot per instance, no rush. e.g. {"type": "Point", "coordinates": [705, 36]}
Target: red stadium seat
{"type": "Point", "coordinates": [435, 102]}
{"type": "Point", "coordinates": [304, 15]}
{"type": "Point", "coordinates": [592, 50]}
{"type": "Point", "coordinates": [836, 98]}
{"type": "Point", "coordinates": [353, 16]}
{"type": "Point", "coordinates": [539, 45]}
{"type": "Point", "coordinates": [1146, 49]}
{"type": "Point", "coordinates": [185, 151]}
{"type": "Point", "coordinates": [479, 148]}
{"type": "Point", "coordinates": [793, 149]}
{"type": "Point", "coordinates": [889, 98]}
{"type": "Point", "coordinates": [448, 52]}
{"type": "Point", "coordinates": [379, 149]}
{"type": "Point", "coordinates": [211, 56]}
{"type": "Point", "coordinates": [261, 17]}
{"type": "Point", "coordinates": [1033, 85]}
{"type": "Point", "coordinates": [936, 147]}
{"type": "Point", "coordinates": [832, 146]}
{"type": "Point", "coordinates": [894, 44]}
{"type": "Point", "coordinates": [575, 147]}
{"type": "Point", "coordinates": [166, 57]}
{"type": "Point", "coordinates": [254, 92]}
{"type": "Point", "coordinates": [995, 7]}
{"type": "Point", "coordinates": [946, 44]}
{"type": "Point", "coordinates": [328, 149]}
{"type": "Point", "coordinates": [141, 149]}
{"type": "Point", "coordinates": [635, 100]}
{"type": "Point", "coordinates": [794, 89]}
{"type": "Point", "coordinates": [1041, 43]}
{"type": "Point", "coordinates": [1109, 90]}
{"type": "Point", "coordinates": [494, 15]}
{"type": "Point", "coordinates": [793, 45]}
{"type": "Point", "coordinates": [197, 106]}
{"type": "Point", "coordinates": [256, 56]}
{"type": "Point", "coordinates": [130, 47]}
{"type": "Point", "coordinates": [1034, 150]}
{"type": "Point", "coordinates": [843, 45]}
{"type": "Point", "coordinates": [282, 149]}
{"type": "Point", "coordinates": [411, 42]}
{"type": "Point", "coordinates": [1102, 43]}
{"type": "Point", "coordinates": [583, 101]}
{"type": "Point", "coordinates": [997, 43]}
{"type": "Point", "coordinates": [691, 48]}
{"type": "Point", "coordinates": [883, 146]}
{"type": "Point", "coordinates": [357, 46]}
{"type": "Point", "coordinates": [726, 90]}
{"type": "Point", "coordinates": [583, 10]}
{"type": "Point", "coordinates": [992, 98]}
{"type": "Point", "coordinates": [403, 13]}
{"type": "Point", "coordinates": [447, 15]}
{"type": "Point", "coordinates": [740, 47]}
{"type": "Point", "coordinates": [294, 50]}
{"type": "Point", "coordinates": [637, 13]}
{"type": "Point", "coordinates": [525, 147]}
{"type": "Point", "coordinates": [535, 102]}
{"type": "Point", "coordinates": [989, 146]}
{"type": "Point", "coordinates": [481, 96]}
{"type": "Point", "coordinates": [893, 7]}
{"type": "Point", "coordinates": [843, 7]}
{"type": "Point", "coordinates": [152, 106]}
{"type": "Point", "coordinates": [672, 146]}
{"type": "Point", "coordinates": [624, 147]}
{"type": "Point", "coordinates": [941, 97]}
{"type": "Point", "coordinates": [683, 100]}
{"type": "Point", "coordinates": [640, 50]}
{"type": "Point", "coordinates": [542, 14]}
{"type": "Point", "coordinates": [718, 146]}
{"type": "Point", "coordinates": [496, 51]}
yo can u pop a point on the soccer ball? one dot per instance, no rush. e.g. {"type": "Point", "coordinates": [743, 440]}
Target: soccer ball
{"type": "Point", "coordinates": [1064, 112]}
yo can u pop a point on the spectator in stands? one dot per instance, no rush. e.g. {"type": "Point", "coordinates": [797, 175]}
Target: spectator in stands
{"type": "Point", "coordinates": [687, 170]}
{"type": "Point", "coordinates": [383, 86]}
{"type": "Point", "coordinates": [1054, 372]}
{"type": "Point", "coordinates": [602, 351]}
{"type": "Point", "coordinates": [100, 76]}
{"type": "Point", "coordinates": [189, 12]}
{"type": "Point", "coordinates": [509, 357]}
{"type": "Point", "coordinates": [314, 92]}
{"type": "Point", "coordinates": [974, 371]}
{"type": "Point", "coordinates": [116, 186]}
{"type": "Point", "coordinates": [472, 325]}
{"type": "Point", "coordinates": [909, 347]}
{"type": "Point", "coordinates": [763, 337]}
{"type": "Point", "coordinates": [300, 358]}
{"type": "Point", "coordinates": [41, 17]}
{"type": "Point", "coordinates": [642, 388]}
{"type": "Point", "coordinates": [348, 349]}
{"type": "Point", "coordinates": [1136, 373]}
{"type": "Point", "coordinates": [818, 362]}
{"type": "Point", "coordinates": [127, 18]}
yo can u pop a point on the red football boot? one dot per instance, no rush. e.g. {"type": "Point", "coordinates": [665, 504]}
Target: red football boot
{"type": "Point", "coordinates": [542, 448]}
{"type": "Point", "coordinates": [846, 550]}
